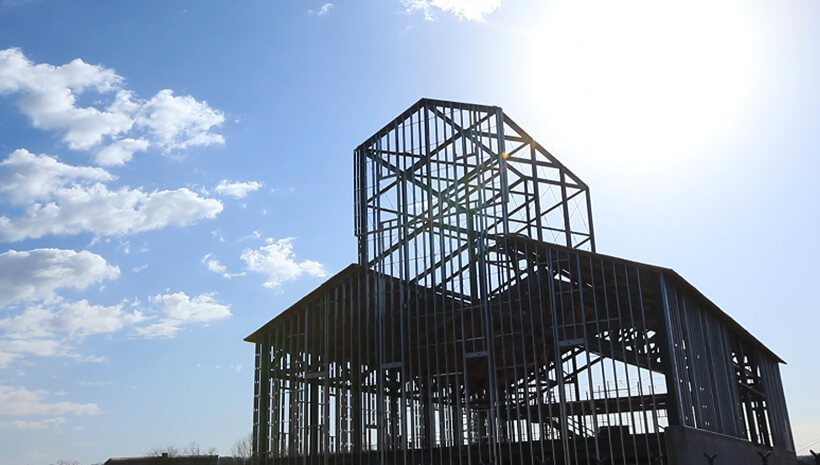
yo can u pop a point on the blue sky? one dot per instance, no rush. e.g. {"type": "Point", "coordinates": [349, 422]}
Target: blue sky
{"type": "Point", "coordinates": [173, 174]}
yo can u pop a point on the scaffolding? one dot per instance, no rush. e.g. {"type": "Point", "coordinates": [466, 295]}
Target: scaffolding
{"type": "Point", "coordinates": [480, 325]}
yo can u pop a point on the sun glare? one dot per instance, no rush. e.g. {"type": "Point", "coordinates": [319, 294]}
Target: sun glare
{"type": "Point", "coordinates": [646, 83]}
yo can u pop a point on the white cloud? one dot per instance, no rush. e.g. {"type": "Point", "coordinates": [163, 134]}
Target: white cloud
{"type": "Point", "coordinates": [276, 260]}
{"type": "Point", "coordinates": [17, 73]}
{"type": "Point", "coordinates": [33, 424]}
{"type": "Point", "coordinates": [36, 274]}
{"type": "Point", "coordinates": [202, 308]}
{"type": "Point", "coordinates": [81, 319]}
{"type": "Point", "coordinates": [325, 9]}
{"type": "Point", "coordinates": [178, 309]}
{"type": "Point", "coordinates": [118, 124]}
{"type": "Point", "coordinates": [51, 329]}
{"type": "Point", "coordinates": [21, 402]}
{"type": "Point", "coordinates": [6, 358]}
{"type": "Point", "coordinates": [12, 349]}
{"type": "Point", "coordinates": [26, 177]}
{"type": "Point", "coordinates": [217, 267]}
{"type": "Point", "coordinates": [60, 199]}
{"type": "Point", "coordinates": [33, 323]}
{"type": "Point", "coordinates": [180, 122]}
{"type": "Point", "coordinates": [49, 97]}
{"type": "Point", "coordinates": [96, 383]}
{"type": "Point", "coordinates": [473, 10]}
{"type": "Point", "coordinates": [120, 151]}
{"type": "Point", "coordinates": [104, 212]}
{"type": "Point", "coordinates": [237, 190]}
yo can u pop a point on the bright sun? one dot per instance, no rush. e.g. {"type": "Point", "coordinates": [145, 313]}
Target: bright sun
{"type": "Point", "coordinates": [644, 82]}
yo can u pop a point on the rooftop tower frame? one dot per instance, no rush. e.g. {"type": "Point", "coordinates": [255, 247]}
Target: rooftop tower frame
{"type": "Point", "coordinates": [436, 184]}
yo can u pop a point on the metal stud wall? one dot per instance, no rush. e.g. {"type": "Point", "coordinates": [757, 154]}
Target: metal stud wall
{"type": "Point", "coordinates": [480, 326]}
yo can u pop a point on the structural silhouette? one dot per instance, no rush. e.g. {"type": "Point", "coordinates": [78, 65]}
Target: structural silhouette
{"type": "Point", "coordinates": [481, 326]}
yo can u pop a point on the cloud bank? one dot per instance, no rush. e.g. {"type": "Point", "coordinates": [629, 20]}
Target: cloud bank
{"type": "Point", "coordinates": [57, 198]}
{"type": "Point", "coordinates": [36, 274]}
{"type": "Point", "coordinates": [118, 124]}
{"type": "Point", "coordinates": [17, 401]}
{"type": "Point", "coordinates": [53, 328]}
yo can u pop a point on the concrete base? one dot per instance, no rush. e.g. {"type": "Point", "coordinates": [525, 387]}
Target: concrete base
{"type": "Point", "coordinates": [686, 446]}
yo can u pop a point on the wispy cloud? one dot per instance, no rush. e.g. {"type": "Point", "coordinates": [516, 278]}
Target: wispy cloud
{"type": "Point", "coordinates": [15, 3]}
{"type": "Point", "coordinates": [33, 424]}
{"type": "Point", "coordinates": [323, 10]}
{"type": "Point", "coordinates": [472, 10]}
{"type": "Point", "coordinates": [217, 267]}
{"type": "Point", "coordinates": [95, 383]}
{"type": "Point", "coordinates": [19, 401]}
{"type": "Point", "coordinates": [255, 234]}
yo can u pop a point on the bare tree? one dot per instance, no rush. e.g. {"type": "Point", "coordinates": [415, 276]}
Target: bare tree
{"type": "Point", "coordinates": [66, 462]}
{"type": "Point", "coordinates": [242, 449]}
{"type": "Point", "coordinates": [158, 451]}
{"type": "Point", "coordinates": [192, 449]}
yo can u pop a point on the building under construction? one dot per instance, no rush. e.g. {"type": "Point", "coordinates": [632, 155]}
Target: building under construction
{"type": "Point", "coordinates": [480, 326]}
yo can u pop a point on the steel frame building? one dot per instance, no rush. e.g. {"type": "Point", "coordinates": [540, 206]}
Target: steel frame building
{"type": "Point", "coordinates": [480, 326]}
